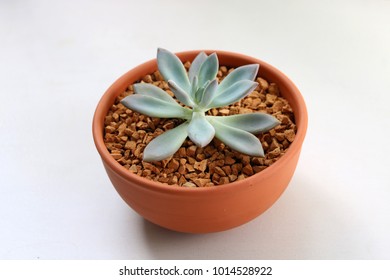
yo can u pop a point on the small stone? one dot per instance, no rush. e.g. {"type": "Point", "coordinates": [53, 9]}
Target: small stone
{"type": "Point", "coordinates": [190, 168]}
{"type": "Point", "coordinates": [191, 160]}
{"type": "Point", "coordinates": [128, 132]}
{"type": "Point", "coordinates": [219, 171]}
{"type": "Point", "coordinates": [115, 117]}
{"type": "Point", "coordinates": [163, 180]}
{"type": "Point", "coordinates": [146, 173]}
{"type": "Point", "coordinates": [182, 180]}
{"type": "Point", "coordinates": [158, 76]}
{"type": "Point", "coordinates": [265, 145]}
{"type": "Point", "coordinates": [274, 153]}
{"type": "Point", "coordinates": [201, 166]}
{"type": "Point", "coordinates": [274, 144]}
{"type": "Point", "coordinates": [270, 99]}
{"type": "Point", "coordinates": [258, 161]}
{"type": "Point", "coordinates": [191, 151]}
{"type": "Point", "coordinates": [124, 138]}
{"type": "Point", "coordinates": [187, 64]}
{"type": "Point", "coordinates": [169, 125]}
{"type": "Point", "coordinates": [212, 167]}
{"type": "Point", "coordinates": [133, 168]}
{"type": "Point", "coordinates": [224, 180]}
{"type": "Point", "coordinates": [277, 107]}
{"type": "Point", "coordinates": [173, 165]}
{"type": "Point", "coordinates": [257, 168]}
{"type": "Point", "coordinates": [245, 159]}
{"type": "Point", "coordinates": [151, 167]}
{"type": "Point", "coordinates": [182, 152]}
{"type": "Point", "coordinates": [290, 135]}
{"type": "Point", "coordinates": [201, 182]}
{"type": "Point", "coordinates": [247, 170]}
{"type": "Point", "coordinates": [116, 156]}
{"type": "Point", "coordinates": [209, 150]}
{"type": "Point", "coordinates": [182, 169]}
{"type": "Point", "coordinates": [245, 111]}
{"type": "Point", "coordinates": [122, 161]}
{"type": "Point", "coordinates": [285, 144]}
{"type": "Point", "coordinates": [224, 111]}
{"type": "Point", "coordinates": [147, 79]}
{"type": "Point", "coordinates": [273, 89]}
{"type": "Point", "coordinates": [122, 128]}
{"type": "Point", "coordinates": [227, 169]}
{"type": "Point", "coordinates": [130, 145]}
{"type": "Point", "coordinates": [215, 178]}
{"type": "Point", "coordinates": [135, 135]}
{"type": "Point", "coordinates": [229, 160]}
{"type": "Point", "coordinates": [263, 84]}
{"type": "Point", "coordinates": [173, 180]}
{"type": "Point", "coordinates": [150, 124]}
{"type": "Point", "coordinates": [189, 185]}
{"type": "Point", "coordinates": [232, 177]}
{"type": "Point", "coordinates": [279, 136]}
{"type": "Point", "coordinates": [285, 120]}
{"type": "Point", "coordinates": [200, 157]}
{"type": "Point", "coordinates": [236, 168]}
{"type": "Point", "coordinates": [138, 151]}
{"type": "Point", "coordinates": [109, 129]}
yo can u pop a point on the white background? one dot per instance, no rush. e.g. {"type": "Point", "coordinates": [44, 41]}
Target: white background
{"type": "Point", "coordinates": [58, 57]}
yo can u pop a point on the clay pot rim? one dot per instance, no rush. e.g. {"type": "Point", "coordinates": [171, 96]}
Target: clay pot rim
{"type": "Point", "coordinates": [101, 111]}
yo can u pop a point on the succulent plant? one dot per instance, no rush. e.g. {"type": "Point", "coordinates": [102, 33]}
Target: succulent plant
{"type": "Point", "coordinates": [199, 91]}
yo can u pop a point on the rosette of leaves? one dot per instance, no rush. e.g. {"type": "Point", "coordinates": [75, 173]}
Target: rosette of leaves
{"type": "Point", "coordinates": [199, 91]}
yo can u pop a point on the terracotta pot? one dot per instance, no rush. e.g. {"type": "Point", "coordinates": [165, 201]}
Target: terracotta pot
{"type": "Point", "coordinates": [211, 209]}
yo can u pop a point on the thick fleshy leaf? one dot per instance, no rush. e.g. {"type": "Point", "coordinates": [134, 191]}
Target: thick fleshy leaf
{"type": "Point", "coordinates": [166, 144]}
{"type": "Point", "coordinates": [200, 131]}
{"type": "Point", "coordinates": [198, 95]}
{"type": "Point", "coordinates": [246, 72]}
{"type": "Point", "coordinates": [194, 87]}
{"type": "Point", "coordinates": [171, 68]}
{"type": "Point", "coordinates": [180, 94]}
{"type": "Point", "coordinates": [208, 93]}
{"type": "Point", "coordinates": [253, 123]}
{"type": "Point", "coordinates": [195, 65]}
{"type": "Point", "coordinates": [153, 91]}
{"type": "Point", "coordinates": [154, 107]}
{"type": "Point", "coordinates": [233, 93]}
{"type": "Point", "coordinates": [208, 70]}
{"type": "Point", "coordinates": [237, 139]}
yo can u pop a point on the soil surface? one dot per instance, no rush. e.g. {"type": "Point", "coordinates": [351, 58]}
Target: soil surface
{"type": "Point", "coordinates": [127, 133]}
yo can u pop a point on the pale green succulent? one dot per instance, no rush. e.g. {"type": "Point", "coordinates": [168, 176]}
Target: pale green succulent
{"type": "Point", "coordinates": [199, 90]}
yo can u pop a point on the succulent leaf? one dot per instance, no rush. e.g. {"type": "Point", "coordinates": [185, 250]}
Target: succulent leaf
{"type": "Point", "coordinates": [246, 72]}
{"type": "Point", "coordinates": [180, 94]}
{"type": "Point", "coordinates": [208, 70]}
{"type": "Point", "coordinates": [234, 93]}
{"type": "Point", "coordinates": [196, 64]}
{"type": "Point", "coordinates": [166, 144]}
{"type": "Point", "coordinates": [154, 107]}
{"type": "Point", "coordinates": [200, 131]}
{"type": "Point", "coordinates": [253, 123]}
{"type": "Point", "coordinates": [171, 68]}
{"type": "Point", "coordinates": [194, 87]}
{"type": "Point", "coordinates": [237, 139]}
{"type": "Point", "coordinates": [153, 91]}
{"type": "Point", "coordinates": [208, 93]}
